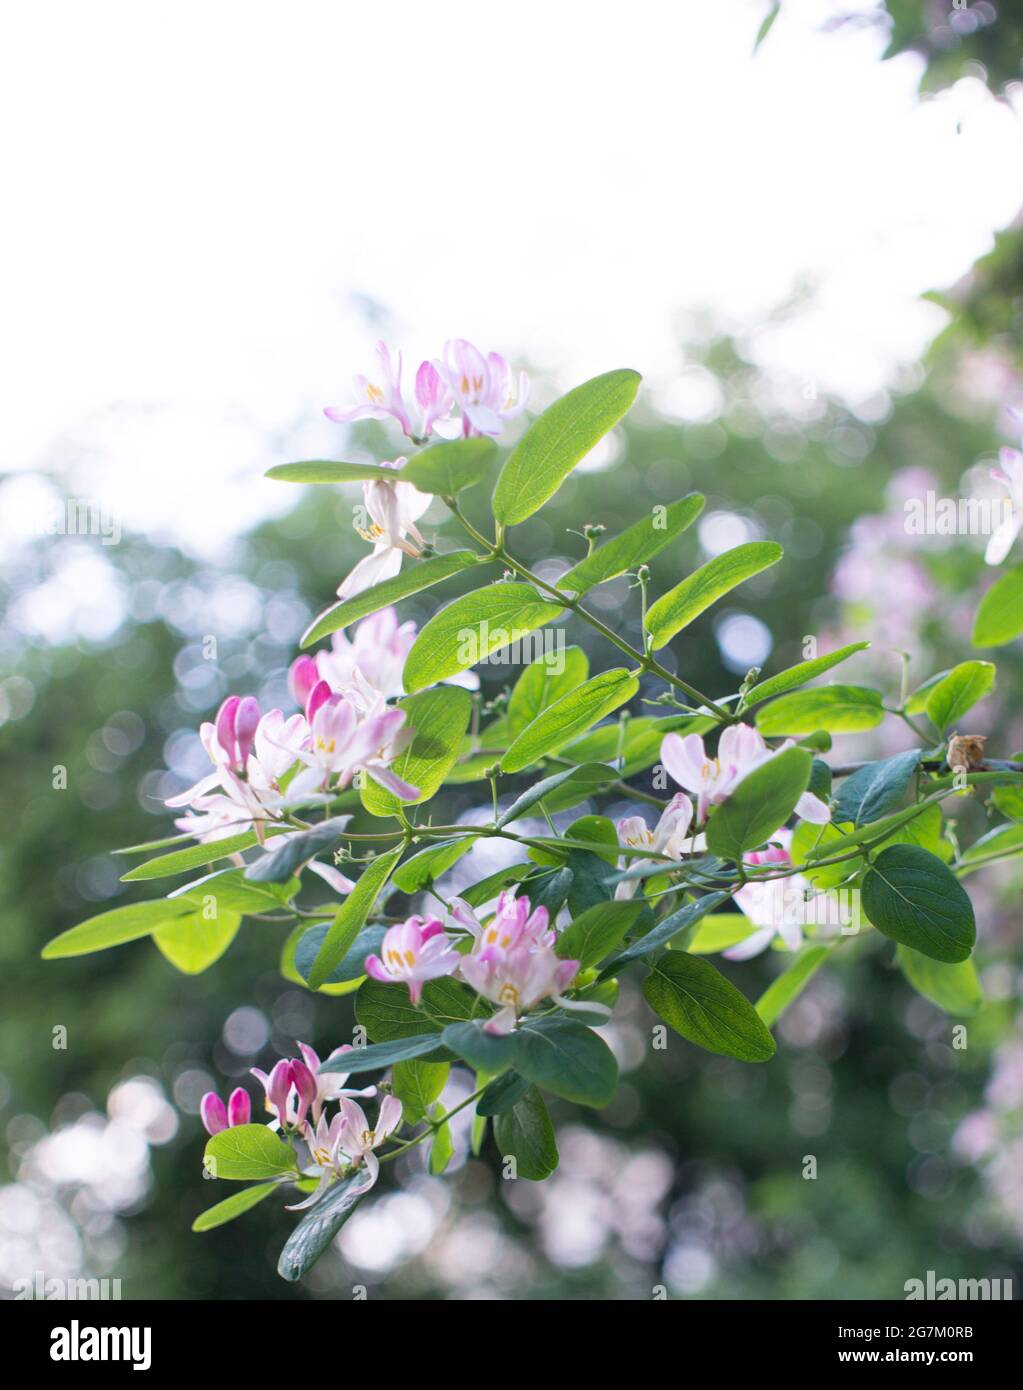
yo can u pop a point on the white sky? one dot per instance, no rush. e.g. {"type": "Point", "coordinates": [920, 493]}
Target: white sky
{"type": "Point", "coordinates": [197, 195]}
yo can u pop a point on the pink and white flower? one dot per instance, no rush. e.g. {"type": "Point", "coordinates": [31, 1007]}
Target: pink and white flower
{"type": "Point", "coordinates": [342, 742]}
{"type": "Point", "coordinates": [377, 400]}
{"type": "Point", "coordinates": [513, 962]}
{"type": "Point", "coordinates": [669, 836]}
{"type": "Point", "coordinates": [713, 780]}
{"type": "Point", "coordinates": [217, 1116]}
{"type": "Point", "coordinates": [412, 953]}
{"type": "Point", "coordinates": [393, 510]}
{"type": "Point", "coordinates": [483, 388]}
{"type": "Point", "coordinates": [1011, 475]}
{"type": "Point", "coordinates": [330, 1085]}
{"type": "Point", "coordinates": [357, 1140]}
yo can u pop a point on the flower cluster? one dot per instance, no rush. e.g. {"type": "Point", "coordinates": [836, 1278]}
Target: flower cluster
{"type": "Point", "coordinates": [345, 726]}
{"type": "Point", "coordinates": [297, 1094]}
{"type": "Point", "coordinates": [512, 961]}
{"type": "Point", "coordinates": [462, 392]}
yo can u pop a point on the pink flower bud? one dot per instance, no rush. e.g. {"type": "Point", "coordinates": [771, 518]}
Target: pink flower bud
{"type": "Point", "coordinates": [239, 1108]}
{"type": "Point", "coordinates": [213, 1113]}
{"type": "Point", "coordinates": [302, 678]}
{"type": "Point", "coordinates": [318, 696]}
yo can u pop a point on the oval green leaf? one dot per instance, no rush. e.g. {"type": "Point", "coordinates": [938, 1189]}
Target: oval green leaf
{"type": "Point", "coordinates": [840, 709]}
{"type": "Point", "coordinates": [959, 691]}
{"type": "Point", "coordinates": [759, 805]}
{"type": "Point", "coordinates": [699, 1003]}
{"type": "Point", "coordinates": [473, 626]}
{"type": "Point", "coordinates": [525, 1133]}
{"type": "Point", "coordinates": [557, 440]}
{"type": "Point", "coordinates": [569, 717]}
{"type": "Point", "coordinates": [676, 609]}
{"type": "Point", "coordinates": [800, 675]}
{"type": "Point", "coordinates": [1000, 615]}
{"type": "Point", "coordinates": [248, 1153]}
{"type": "Point", "coordinates": [449, 468]}
{"type": "Point", "coordinates": [912, 897]}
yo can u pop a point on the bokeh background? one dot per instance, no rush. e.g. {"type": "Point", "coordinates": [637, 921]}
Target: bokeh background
{"type": "Point", "coordinates": [813, 253]}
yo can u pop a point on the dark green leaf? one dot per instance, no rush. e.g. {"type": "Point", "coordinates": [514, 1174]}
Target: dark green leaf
{"type": "Point", "coordinates": [684, 920]}
{"type": "Point", "coordinates": [911, 896]}
{"type": "Point", "coordinates": [525, 1133]}
{"type": "Point", "coordinates": [695, 999]}
{"type": "Point", "coordinates": [597, 931]}
{"type": "Point", "coordinates": [877, 789]}
{"type": "Point", "coordinates": [352, 965]}
{"type": "Point", "coordinates": [376, 1056]}
{"type": "Point", "coordinates": [386, 1012]}
{"type": "Point", "coordinates": [568, 1059]}
{"type": "Point", "coordinates": [300, 846]}
{"type": "Point", "coordinates": [483, 1051]}
{"type": "Point", "coordinates": [502, 1094]}
{"type": "Point", "coordinates": [318, 1227]}
{"type": "Point", "coordinates": [588, 775]}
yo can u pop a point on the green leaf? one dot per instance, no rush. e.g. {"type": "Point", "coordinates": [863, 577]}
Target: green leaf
{"type": "Point", "coordinates": [840, 709]}
{"type": "Point", "coordinates": [319, 1226]}
{"type": "Point", "coordinates": [417, 1084]}
{"type": "Point", "coordinates": [486, 888]}
{"type": "Point", "coordinates": [956, 989]}
{"type": "Point", "coordinates": [541, 683]}
{"type": "Point", "coordinates": [875, 790]}
{"type": "Point", "coordinates": [449, 468]}
{"type": "Point", "coordinates": [800, 675]}
{"type": "Point", "coordinates": [352, 964]}
{"type": "Point", "coordinates": [376, 1056]}
{"type": "Point", "coordinates": [597, 931]}
{"type": "Point", "coordinates": [193, 943]}
{"type": "Point", "coordinates": [181, 861]}
{"type": "Point", "coordinates": [1000, 615]}
{"type": "Point", "coordinates": [285, 861]}
{"type": "Point", "coordinates": [328, 471]}
{"type": "Point", "coordinates": [440, 719]}
{"type": "Point", "coordinates": [684, 920]}
{"type": "Point", "coordinates": [386, 1012]}
{"type": "Point", "coordinates": [759, 805]}
{"type": "Point", "coordinates": [557, 440]}
{"type": "Point", "coordinates": [1009, 801]}
{"type": "Point", "coordinates": [525, 1133]}
{"type": "Point", "coordinates": [695, 999]}
{"type": "Point", "coordinates": [1000, 843]}
{"type": "Point", "coordinates": [247, 1153]}
{"type": "Point", "coordinates": [568, 1059]}
{"type": "Point", "coordinates": [790, 983]}
{"type": "Point", "coordinates": [912, 897]}
{"type": "Point", "coordinates": [230, 891]}
{"type": "Point", "coordinates": [716, 932]}
{"type": "Point", "coordinates": [589, 885]}
{"type": "Point", "coordinates": [588, 775]}
{"type": "Point", "coordinates": [767, 24]}
{"type": "Point", "coordinates": [469, 629]}
{"type": "Point", "coordinates": [428, 865]}
{"type": "Point", "coordinates": [483, 1051]}
{"type": "Point", "coordinates": [960, 690]}
{"type": "Point", "coordinates": [412, 579]}
{"type": "Point", "coordinates": [570, 716]}
{"type": "Point", "coordinates": [236, 1205]}
{"type": "Point", "coordinates": [115, 927]}
{"type": "Point", "coordinates": [677, 608]}
{"type": "Point", "coordinates": [633, 547]}
{"type": "Point", "coordinates": [442, 1146]}
{"type": "Point", "coordinates": [917, 702]}
{"type": "Point", "coordinates": [599, 833]}
{"type": "Point", "coordinates": [351, 917]}
{"type": "Point", "coordinates": [501, 1094]}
